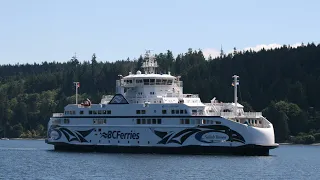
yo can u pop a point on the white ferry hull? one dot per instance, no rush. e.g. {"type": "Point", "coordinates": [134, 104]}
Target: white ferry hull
{"type": "Point", "coordinates": [234, 138]}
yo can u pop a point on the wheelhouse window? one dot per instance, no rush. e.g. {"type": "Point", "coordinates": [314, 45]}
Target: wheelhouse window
{"type": "Point", "coordinates": [164, 111]}
{"type": "Point", "coordinates": [164, 82]}
{"type": "Point", "coordinates": [146, 81]}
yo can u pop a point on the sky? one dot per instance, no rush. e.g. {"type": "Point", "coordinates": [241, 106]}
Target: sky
{"type": "Point", "coordinates": [34, 31]}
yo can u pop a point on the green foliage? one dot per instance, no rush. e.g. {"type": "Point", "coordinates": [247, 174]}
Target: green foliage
{"type": "Point", "coordinates": [279, 119]}
{"type": "Point", "coordinates": [306, 139]}
{"type": "Point", "coordinates": [283, 82]}
{"type": "Point", "coordinates": [17, 130]}
{"type": "Point", "coordinates": [317, 137]}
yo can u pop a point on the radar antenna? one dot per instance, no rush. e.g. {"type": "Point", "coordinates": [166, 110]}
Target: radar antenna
{"type": "Point", "coordinates": [150, 64]}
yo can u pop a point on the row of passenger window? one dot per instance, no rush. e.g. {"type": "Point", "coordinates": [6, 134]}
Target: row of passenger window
{"type": "Point", "coordinates": [141, 111]}
{"type": "Point", "coordinates": [99, 121]}
{"type": "Point", "coordinates": [253, 121]}
{"type": "Point", "coordinates": [198, 121]}
{"type": "Point", "coordinates": [99, 112]}
{"type": "Point", "coordinates": [150, 81]}
{"type": "Point", "coordinates": [59, 121]}
{"type": "Point", "coordinates": [164, 111]}
{"type": "Point", "coordinates": [70, 112]}
{"type": "Point", "coordinates": [175, 111]}
{"type": "Point", "coordinates": [148, 121]}
{"type": "Point", "coordinates": [90, 112]}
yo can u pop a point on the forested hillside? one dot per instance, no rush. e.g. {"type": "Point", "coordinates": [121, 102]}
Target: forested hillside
{"type": "Point", "coordinates": [284, 83]}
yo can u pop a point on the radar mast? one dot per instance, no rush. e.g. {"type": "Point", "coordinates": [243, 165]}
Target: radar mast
{"type": "Point", "coordinates": [150, 64]}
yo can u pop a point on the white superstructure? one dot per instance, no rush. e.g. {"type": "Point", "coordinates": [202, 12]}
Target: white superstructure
{"type": "Point", "coordinates": [150, 113]}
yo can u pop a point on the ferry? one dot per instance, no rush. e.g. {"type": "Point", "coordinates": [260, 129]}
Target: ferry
{"type": "Point", "coordinates": [149, 113]}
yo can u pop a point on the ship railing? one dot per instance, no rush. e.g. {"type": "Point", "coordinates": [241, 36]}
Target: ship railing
{"type": "Point", "coordinates": [172, 95]}
{"type": "Point", "coordinates": [233, 114]}
{"type": "Point", "coordinates": [57, 114]}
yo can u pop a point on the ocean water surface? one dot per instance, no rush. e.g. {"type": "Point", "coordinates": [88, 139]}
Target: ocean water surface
{"type": "Point", "coordinates": [33, 159]}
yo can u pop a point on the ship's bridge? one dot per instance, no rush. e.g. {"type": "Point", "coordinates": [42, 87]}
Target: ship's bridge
{"type": "Point", "coordinates": [140, 88]}
{"type": "Point", "coordinates": [150, 86]}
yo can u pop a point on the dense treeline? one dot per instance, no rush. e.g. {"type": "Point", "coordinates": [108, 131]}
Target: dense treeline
{"type": "Point", "coordinates": [283, 83]}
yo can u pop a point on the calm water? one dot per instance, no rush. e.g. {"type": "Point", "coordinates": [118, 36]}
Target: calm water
{"type": "Point", "coordinates": [33, 159]}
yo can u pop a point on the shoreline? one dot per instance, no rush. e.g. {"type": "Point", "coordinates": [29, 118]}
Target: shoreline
{"type": "Point", "coordinates": [313, 144]}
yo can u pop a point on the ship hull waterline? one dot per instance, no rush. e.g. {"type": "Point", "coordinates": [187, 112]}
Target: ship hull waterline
{"type": "Point", "coordinates": [249, 149]}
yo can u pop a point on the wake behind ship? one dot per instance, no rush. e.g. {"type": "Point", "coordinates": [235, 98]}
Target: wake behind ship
{"type": "Point", "coordinates": [150, 114]}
